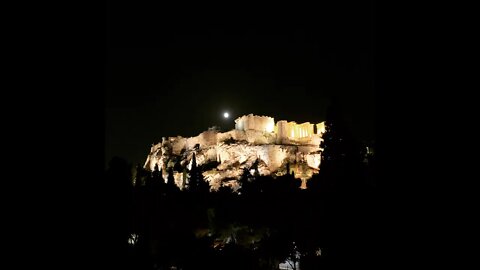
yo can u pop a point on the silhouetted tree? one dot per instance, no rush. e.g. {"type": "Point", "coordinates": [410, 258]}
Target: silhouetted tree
{"type": "Point", "coordinates": [197, 182]}
{"type": "Point", "coordinates": [245, 182]}
{"type": "Point", "coordinates": [170, 178]}
{"type": "Point", "coordinates": [287, 183]}
{"type": "Point", "coordinates": [342, 166]}
{"type": "Point", "coordinates": [155, 181]}
{"type": "Point", "coordinates": [194, 174]}
{"type": "Point", "coordinates": [178, 166]}
{"type": "Point", "coordinates": [203, 186]}
{"type": "Point", "coordinates": [118, 197]}
{"type": "Point", "coordinates": [140, 176]}
{"type": "Point", "coordinates": [171, 186]}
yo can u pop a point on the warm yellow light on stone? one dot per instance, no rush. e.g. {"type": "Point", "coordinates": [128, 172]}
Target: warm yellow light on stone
{"type": "Point", "coordinates": [254, 138]}
{"type": "Point", "coordinates": [255, 122]}
{"type": "Point", "coordinates": [320, 128]}
{"type": "Point", "coordinates": [270, 126]}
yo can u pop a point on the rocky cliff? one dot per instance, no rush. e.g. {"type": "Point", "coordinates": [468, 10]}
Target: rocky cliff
{"type": "Point", "coordinates": [255, 140]}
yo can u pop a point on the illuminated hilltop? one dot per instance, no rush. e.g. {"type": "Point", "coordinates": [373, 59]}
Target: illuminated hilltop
{"type": "Point", "coordinates": [256, 140]}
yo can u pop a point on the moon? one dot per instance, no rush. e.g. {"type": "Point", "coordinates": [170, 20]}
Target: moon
{"type": "Point", "coordinates": [226, 115]}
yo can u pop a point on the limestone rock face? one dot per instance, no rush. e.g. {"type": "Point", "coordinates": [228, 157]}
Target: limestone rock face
{"type": "Point", "coordinates": [224, 156]}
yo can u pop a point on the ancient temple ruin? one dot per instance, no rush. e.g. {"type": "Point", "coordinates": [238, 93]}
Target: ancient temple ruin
{"type": "Point", "coordinates": [255, 139]}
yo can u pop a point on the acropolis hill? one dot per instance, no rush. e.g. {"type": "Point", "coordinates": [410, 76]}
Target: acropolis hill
{"type": "Point", "coordinates": [226, 155]}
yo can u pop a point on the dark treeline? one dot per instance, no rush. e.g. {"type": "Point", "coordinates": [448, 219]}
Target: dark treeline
{"type": "Point", "coordinates": [153, 224]}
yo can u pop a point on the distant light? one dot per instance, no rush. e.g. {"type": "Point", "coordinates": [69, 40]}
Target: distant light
{"type": "Point", "coordinates": [132, 240]}
{"type": "Point", "coordinates": [226, 115]}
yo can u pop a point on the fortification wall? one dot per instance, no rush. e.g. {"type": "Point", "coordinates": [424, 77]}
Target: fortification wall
{"type": "Point", "coordinates": [237, 135]}
{"type": "Point", "coordinates": [178, 143]}
{"type": "Point", "coordinates": [192, 141]}
{"type": "Point", "coordinates": [259, 137]}
{"type": "Point", "coordinates": [208, 138]}
{"type": "Point", "coordinates": [321, 128]}
{"type": "Point", "coordinates": [255, 122]}
{"type": "Point", "coordinates": [254, 137]}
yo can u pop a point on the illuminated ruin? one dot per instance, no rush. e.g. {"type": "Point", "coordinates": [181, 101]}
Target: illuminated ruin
{"type": "Point", "coordinates": [255, 138]}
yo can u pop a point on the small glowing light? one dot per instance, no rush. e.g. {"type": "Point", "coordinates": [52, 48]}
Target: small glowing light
{"type": "Point", "coordinates": [132, 240]}
{"type": "Point", "coordinates": [226, 115]}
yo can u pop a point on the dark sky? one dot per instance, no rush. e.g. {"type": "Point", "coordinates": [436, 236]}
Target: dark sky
{"type": "Point", "coordinates": [170, 73]}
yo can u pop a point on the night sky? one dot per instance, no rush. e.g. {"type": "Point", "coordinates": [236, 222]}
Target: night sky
{"type": "Point", "coordinates": [170, 73]}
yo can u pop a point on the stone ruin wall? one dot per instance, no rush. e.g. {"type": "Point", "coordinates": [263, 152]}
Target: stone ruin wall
{"type": "Point", "coordinates": [249, 128]}
{"type": "Point", "coordinates": [255, 122]}
{"type": "Point", "coordinates": [253, 137]}
{"type": "Point", "coordinates": [291, 132]}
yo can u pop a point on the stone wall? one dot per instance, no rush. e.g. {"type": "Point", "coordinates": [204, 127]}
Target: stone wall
{"type": "Point", "coordinates": [254, 137]}
{"type": "Point", "coordinates": [255, 122]}
{"type": "Point", "coordinates": [321, 128]}
{"type": "Point", "coordinates": [178, 143]}
{"type": "Point", "coordinates": [313, 160]}
{"type": "Point", "coordinates": [291, 132]}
